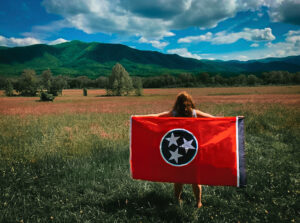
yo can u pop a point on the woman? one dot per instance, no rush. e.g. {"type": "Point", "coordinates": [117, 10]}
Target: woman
{"type": "Point", "coordinates": [185, 107]}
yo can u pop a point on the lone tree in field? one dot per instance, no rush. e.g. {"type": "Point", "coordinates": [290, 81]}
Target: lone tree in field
{"type": "Point", "coordinates": [28, 83]}
{"type": "Point", "coordinates": [46, 79]}
{"type": "Point", "coordinates": [52, 85]}
{"type": "Point", "coordinates": [119, 82]}
{"type": "Point", "coordinates": [58, 83]}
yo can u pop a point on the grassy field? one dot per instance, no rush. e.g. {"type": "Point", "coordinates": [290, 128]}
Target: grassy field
{"type": "Point", "coordinates": [68, 161]}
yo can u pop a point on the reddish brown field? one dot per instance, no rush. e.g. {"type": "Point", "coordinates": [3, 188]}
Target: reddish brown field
{"type": "Point", "coordinates": [154, 100]}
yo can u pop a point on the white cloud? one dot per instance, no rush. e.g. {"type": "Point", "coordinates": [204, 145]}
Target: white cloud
{"type": "Point", "coordinates": [289, 47]}
{"type": "Point", "coordinates": [228, 38]}
{"type": "Point", "coordinates": [189, 39]}
{"type": "Point", "coordinates": [184, 53]}
{"type": "Point", "coordinates": [92, 16]}
{"type": "Point", "coordinates": [12, 41]}
{"type": "Point", "coordinates": [247, 34]}
{"type": "Point", "coordinates": [155, 19]}
{"type": "Point", "coordinates": [57, 41]}
{"type": "Point", "coordinates": [254, 45]}
{"type": "Point", "coordinates": [205, 13]}
{"type": "Point", "coordinates": [154, 43]}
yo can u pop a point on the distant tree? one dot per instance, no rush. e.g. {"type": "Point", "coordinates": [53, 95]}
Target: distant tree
{"type": "Point", "coordinates": [219, 80]}
{"type": "Point", "coordinates": [57, 85]}
{"type": "Point", "coordinates": [2, 82]}
{"type": "Point", "coordinates": [204, 78]}
{"type": "Point", "coordinates": [138, 86]}
{"type": "Point", "coordinates": [296, 78]}
{"type": "Point", "coordinates": [274, 77]}
{"type": "Point", "coordinates": [101, 82]}
{"type": "Point", "coordinates": [28, 83]}
{"type": "Point", "coordinates": [119, 82]}
{"type": "Point", "coordinates": [266, 77]}
{"type": "Point", "coordinates": [241, 80]}
{"type": "Point", "coordinates": [186, 79]}
{"type": "Point", "coordinates": [82, 81]}
{"type": "Point", "coordinates": [8, 88]}
{"type": "Point", "coordinates": [46, 79]}
{"type": "Point", "coordinates": [167, 80]}
{"type": "Point", "coordinates": [252, 80]}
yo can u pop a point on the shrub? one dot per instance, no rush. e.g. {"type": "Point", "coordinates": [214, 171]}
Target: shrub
{"type": "Point", "coordinates": [84, 92]}
{"type": "Point", "coordinates": [46, 97]}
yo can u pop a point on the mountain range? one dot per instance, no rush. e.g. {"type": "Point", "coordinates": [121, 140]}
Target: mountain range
{"type": "Point", "coordinates": [94, 59]}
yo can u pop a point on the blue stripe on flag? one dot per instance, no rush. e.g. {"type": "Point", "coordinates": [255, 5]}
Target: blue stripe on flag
{"type": "Point", "coordinates": [242, 164]}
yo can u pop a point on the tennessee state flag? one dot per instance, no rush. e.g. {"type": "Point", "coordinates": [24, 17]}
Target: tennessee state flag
{"type": "Point", "coordinates": [207, 151]}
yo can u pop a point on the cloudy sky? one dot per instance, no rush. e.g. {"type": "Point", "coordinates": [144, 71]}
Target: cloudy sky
{"type": "Point", "coordinates": [201, 29]}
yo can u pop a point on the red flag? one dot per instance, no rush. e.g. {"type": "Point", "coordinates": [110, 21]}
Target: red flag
{"type": "Point", "coordinates": [206, 151]}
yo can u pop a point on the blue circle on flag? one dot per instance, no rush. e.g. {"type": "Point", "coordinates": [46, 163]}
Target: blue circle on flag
{"type": "Point", "coordinates": [178, 147]}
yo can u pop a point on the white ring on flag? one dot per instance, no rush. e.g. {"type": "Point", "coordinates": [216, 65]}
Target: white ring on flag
{"type": "Point", "coordinates": [180, 165]}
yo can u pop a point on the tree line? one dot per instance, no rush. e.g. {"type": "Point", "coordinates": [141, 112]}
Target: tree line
{"type": "Point", "coordinates": [121, 83]}
{"type": "Point", "coordinates": [47, 86]}
{"type": "Point", "coordinates": [205, 79]}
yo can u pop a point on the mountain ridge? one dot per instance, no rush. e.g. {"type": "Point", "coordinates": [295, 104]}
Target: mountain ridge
{"type": "Point", "coordinates": [94, 59]}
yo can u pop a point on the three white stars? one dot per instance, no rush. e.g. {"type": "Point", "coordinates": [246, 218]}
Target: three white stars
{"type": "Point", "coordinates": [186, 145]}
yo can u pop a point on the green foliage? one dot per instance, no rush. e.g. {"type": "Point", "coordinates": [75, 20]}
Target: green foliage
{"type": "Point", "coordinates": [138, 86]}
{"type": "Point", "coordinates": [281, 77]}
{"type": "Point", "coordinates": [119, 82]}
{"type": "Point", "coordinates": [57, 85]}
{"type": "Point", "coordinates": [8, 88]}
{"type": "Point", "coordinates": [166, 80]}
{"type": "Point", "coordinates": [46, 79]}
{"type": "Point", "coordinates": [252, 80]}
{"type": "Point", "coordinates": [46, 96]}
{"type": "Point", "coordinates": [28, 83]}
{"type": "Point", "coordinates": [101, 82]}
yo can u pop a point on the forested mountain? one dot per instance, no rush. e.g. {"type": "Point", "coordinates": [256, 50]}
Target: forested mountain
{"type": "Point", "coordinates": [77, 58]}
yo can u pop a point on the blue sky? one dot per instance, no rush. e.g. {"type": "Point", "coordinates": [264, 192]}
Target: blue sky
{"type": "Point", "coordinates": [201, 29]}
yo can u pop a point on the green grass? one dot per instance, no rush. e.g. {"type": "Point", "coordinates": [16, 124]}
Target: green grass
{"type": "Point", "coordinates": [75, 168]}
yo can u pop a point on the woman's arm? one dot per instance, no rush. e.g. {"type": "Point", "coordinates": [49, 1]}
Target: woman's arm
{"type": "Point", "coordinates": [162, 114]}
{"type": "Point", "coordinates": [201, 114]}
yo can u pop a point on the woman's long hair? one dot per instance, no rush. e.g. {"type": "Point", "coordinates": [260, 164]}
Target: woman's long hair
{"type": "Point", "coordinates": [184, 105]}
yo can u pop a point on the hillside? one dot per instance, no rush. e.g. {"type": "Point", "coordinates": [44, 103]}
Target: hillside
{"type": "Point", "coordinates": [93, 59]}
